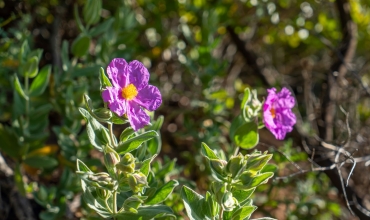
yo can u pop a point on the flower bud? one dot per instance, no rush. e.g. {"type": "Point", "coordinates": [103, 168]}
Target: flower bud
{"type": "Point", "coordinates": [236, 165]}
{"type": "Point", "coordinates": [111, 157]}
{"type": "Point", "coordinates": [137, 182]}
{"type": "Point", "coordinates": [102, 180]}
{"type": "Point", "coordinates": [102, 114]}
{"type": "Point", "coordinates": [228, 201]}
{"type": "Point", "coordinates": [127, 164]}
{"type": "Point", "coordinates": [218, 166]}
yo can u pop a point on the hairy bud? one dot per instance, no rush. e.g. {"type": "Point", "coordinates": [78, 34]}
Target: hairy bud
{"type": "Point", "coordinates": [137, 182]}
{"type": "Point", "coordinates": [127, 164]}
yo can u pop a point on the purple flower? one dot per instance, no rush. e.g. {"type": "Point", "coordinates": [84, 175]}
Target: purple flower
{"type": "Point", "coordinates": [277, 112]}
{"type": "Point", "coordinates": [131, 92]}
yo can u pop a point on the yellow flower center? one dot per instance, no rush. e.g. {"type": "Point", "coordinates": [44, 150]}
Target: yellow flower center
{"type": "Point", "coordinates": [129, 92]}
{"type": "Point", "coordinates": [273, 113]}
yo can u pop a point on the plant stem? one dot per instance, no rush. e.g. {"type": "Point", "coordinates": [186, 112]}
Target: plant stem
{"type": "Point", "coordinates": [110, 127]}
{"type": "Point", "coordinates": [114, 202]}
{"type": "Point", "coordinates": [236, 151]}
{"type": "Point", "coordinates": [221, 213]}
{"type": "Point", "coordinates": [26, 82]}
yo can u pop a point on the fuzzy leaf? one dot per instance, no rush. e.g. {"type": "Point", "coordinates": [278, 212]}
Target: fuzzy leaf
{"type": "Point", "coordinates": [94, 130]}
{"type": "Point", "coordinates": [193, 204]}
{"type": "Point", "coordinates": [208, 152]}
{"type": "Point", "coordinates": [162, 193]}
{"type": "Point", "coordinates": [135, 142]}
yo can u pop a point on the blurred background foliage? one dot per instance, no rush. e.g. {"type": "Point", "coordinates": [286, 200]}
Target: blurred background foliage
{"type": "Point", "coordinates": [193, 58]}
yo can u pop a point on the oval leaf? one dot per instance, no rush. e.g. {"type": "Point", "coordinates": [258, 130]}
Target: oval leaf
{"type": "Point", "coordinates": [32, 67]}
{"type": "Point", "coordinates": [18, 88]}
{"type": "Point", "coordinates": [38, 85]}
{"type": "Point", "coordinates": [81, 45]}
{"type": "Point", "coordinates": [39, 161]}
{"type": "Point", "coordinates": [246, 136]}
{"type": "Point", "coordinates": [162, 193]}
{"type": "Point", "coordinates": [133, 143]}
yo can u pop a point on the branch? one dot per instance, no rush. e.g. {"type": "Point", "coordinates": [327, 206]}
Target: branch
{"type": "Point", "coordinates": [338, 70]}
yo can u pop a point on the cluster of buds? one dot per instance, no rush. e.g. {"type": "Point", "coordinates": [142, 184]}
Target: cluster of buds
{"type": "Point", "coordinates": [238, 167]}
{"type": "Point", "coordinates": [102, 180]}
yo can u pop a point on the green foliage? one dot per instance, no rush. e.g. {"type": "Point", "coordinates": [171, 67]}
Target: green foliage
{"type": "Point", "coordinates": [186, 44]}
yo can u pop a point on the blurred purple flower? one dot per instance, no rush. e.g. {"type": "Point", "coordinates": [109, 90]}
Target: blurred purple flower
{"type": "Point", "coordinates": [131, 92]}
{"type": "Point", "coordinates": [277, 112]}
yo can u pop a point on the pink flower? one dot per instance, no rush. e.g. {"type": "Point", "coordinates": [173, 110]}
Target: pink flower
{"type": "Point", "coordinates": [277, 112]}
{"type": "Point", "coordinates": [131, 92]}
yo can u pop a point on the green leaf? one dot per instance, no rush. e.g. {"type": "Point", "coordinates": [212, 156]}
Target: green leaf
{"type": "Point", "coordinates": [104, 81]}
{"type": "Point", "coordinates": [31, 67]}
{"type": "Point", "coordinates": [243, 213]}
{"type": "Point", "coordinates": [118, 120]}
{"type": "Point", "coordinates": [126, 134]}
{"type": "Point", "coordinates": [80, 45]}
{"type": "Point", "coordinates": [269, 168]}
{"type": "Point", "coordinates": [242, 195]}
{"type": "Point", "coordinates": [18, 88]}
{"type": "Point", "coordinates": [193, 204]}
{"type": "Point", "coordinates": [94, 131]}
{"type": "Point", "coordinates": [145, 165]}
{"type": "Point", "coordinates": [82, 167]}
{"type": "Point", "coordinates": [208, 152]}
{"type": "Point", "coordinates": [89, 71]}
{"type": "Point", "coordinates": [250, 180]}
{"type": "Point", "coordinates": [154, 145]}
{"type": "Point", "coordinates": [246, 98]}
{"type": "Point", "coordinates": [255, 163]}
{"type": "Point", "coordinates": [265, 218]}
{"type": "Point", "coordinates": [210, 206]}
{"type": "Point", "coordinates": [235, 124]}
{"type": "Point", "coordinates": [101, 28]}
{"type": "Point", "coordinates": [166, 169]}
{"type": "Point", "coordinates": [78, 19]}
{"type": "Point", "coordinates": [148, 213]}
{"type": "Point", "coordinates": [246, 136]}
{"type": "Point", "coordinates": [133, 143]}
{"type": "Point", "coordinates": [41, 161]}
{"type": "Point", "coordinates": [39, 84]}
{"type": "Point", "coordinates": [162, 193]}
{"type": "Point", "coordinates": [9, 142]}
{"type": "Point", "coordinates": [65, 58]}
{"type": "Point", "coordinates": [23, 52]}
{"type": "Point", "coordinates": [91, 11]}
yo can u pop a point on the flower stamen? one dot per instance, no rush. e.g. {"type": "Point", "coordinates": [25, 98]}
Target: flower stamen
{"type": "Point", "coordinates": [129, 92]}
{"type": "Point", "coordinates": [273, 112]}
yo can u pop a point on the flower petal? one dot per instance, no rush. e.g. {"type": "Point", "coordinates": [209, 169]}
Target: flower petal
{"type": "Point", "coordinates": [116, 104]}
{"type": "Point", "coordinates": [137, 116]}
{"type": "Point", "coordinates": [283, 119]}
{"type": "Point", "coordinates": [138, 75]}
{"type": "Point", "coordinates": [110, 94]}
{"type": "Point", "coordinates": [118, 107]}
{"type": "Point", "coordinates": [117, 71]}
{"type": "Point", "coordinates": [268, 119]}
{"type": "Point", "coordinates": [149, 97]}
{"type": "Point", "coordinates": [285, 99]}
